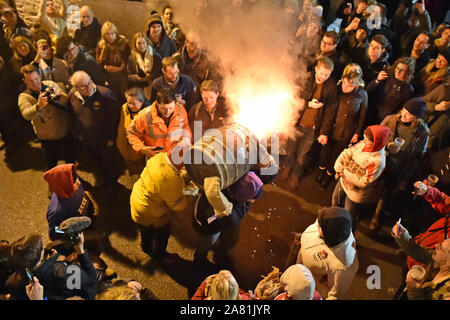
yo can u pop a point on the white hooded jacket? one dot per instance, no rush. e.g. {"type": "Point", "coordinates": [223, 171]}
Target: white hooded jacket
{"type": "Point", "coordinates": [333, 268]}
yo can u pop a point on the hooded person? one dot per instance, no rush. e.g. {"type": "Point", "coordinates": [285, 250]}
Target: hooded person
{"type": "Point", "coordinates": [159, 40]}
{"type": "Point", "coordinates": [360, 168]}
{"type": "Point", "coordinates": [298, 284]}
{"type": "Point", "coordinates": [218, 213]}
{"type": "Point", "coordinates": [69, 198]}
{"type": "Point", "coordinates": [329, 251]}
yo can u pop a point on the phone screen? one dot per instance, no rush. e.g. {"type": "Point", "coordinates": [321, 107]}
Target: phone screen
{"type": "Point", "coordinates": [29, 275]}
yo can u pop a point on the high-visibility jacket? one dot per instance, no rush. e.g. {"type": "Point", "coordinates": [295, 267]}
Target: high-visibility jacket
{"type": "Point", "coordinates": [157, 193]}
{"type": "Point", "coordinates": [149, 129]}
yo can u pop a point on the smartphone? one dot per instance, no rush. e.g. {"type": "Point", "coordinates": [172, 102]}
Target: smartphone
{"type": "Point", "coordinates": [29, 275]}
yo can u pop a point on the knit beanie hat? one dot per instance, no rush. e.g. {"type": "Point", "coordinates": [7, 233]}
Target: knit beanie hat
{"type": "Point", "coordinates": [246, 188]}
{"type": "Point", "coordinates": [336, 225]}
{"type": "Point", "coordinates": [154, 18]}
{"type": "Point", "coordinates": [416, 107]}
{"type": "Point", "coordinates": [298, 282]}
{"type": "Point", "coordinates": [445, 52]}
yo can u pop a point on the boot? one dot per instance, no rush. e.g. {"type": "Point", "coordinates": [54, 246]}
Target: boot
{"type": "Point", "coordinates": [284, 174]}
{"type": "Point", "coordinates": [293, 181]}
{"type": "Point", "coordinates": [375, 222]}
{"type": "Point", "coordinates": [321, 175]}
{"type": "Point", "coordinates": [326, 181]}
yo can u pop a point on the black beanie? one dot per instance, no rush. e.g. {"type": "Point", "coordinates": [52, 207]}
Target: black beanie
{"type": "Point", "coordinates": [416, 107]}
{"type": "Point", "coordinates": [445, 52]}
{"type": "Point", "coordinates": [336, 225]}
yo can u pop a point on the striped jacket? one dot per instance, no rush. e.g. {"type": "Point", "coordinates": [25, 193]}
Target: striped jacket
{"type": "Point", "coordinates": [149, 129]}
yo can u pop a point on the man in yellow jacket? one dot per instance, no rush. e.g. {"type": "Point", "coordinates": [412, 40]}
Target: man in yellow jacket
{"type": "Point", "coordinates": [155, 197]}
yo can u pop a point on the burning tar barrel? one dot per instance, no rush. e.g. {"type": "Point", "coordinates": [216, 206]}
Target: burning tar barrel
{"type": "Point", "coordinates": [228, 152]}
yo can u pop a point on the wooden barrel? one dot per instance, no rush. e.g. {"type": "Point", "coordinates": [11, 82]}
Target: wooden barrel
{"type": "Point", "coordinates": [228, 152]}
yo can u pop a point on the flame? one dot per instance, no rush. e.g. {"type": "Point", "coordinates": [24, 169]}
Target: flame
{"type": "Point", "coordinates": [263, 108]}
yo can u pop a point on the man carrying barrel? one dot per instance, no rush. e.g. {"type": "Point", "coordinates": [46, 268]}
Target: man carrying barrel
{"type": "Point", "coordinates": [154, 128]}
{"type": "Point", "coordinates": [155, 197]}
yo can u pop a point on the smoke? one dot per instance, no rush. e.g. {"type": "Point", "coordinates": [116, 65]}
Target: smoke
{"type": "Point", "coordinates": [253, 48]}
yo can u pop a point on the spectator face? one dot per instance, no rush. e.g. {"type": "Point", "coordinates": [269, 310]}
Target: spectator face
{"type": "Point", "coordinates": [32, 81]}
{"type": "Point", "coordinates": [375, 50]}
{"type": "Point", "coordinates": [110, 36]}
{"type": "Point", "coordinates": [50, 7]}
{"type": "Point", "coordinates": [166, 110]}
{"type": "Point", "coordinates": [72, 52]}
{"type": "Point", "coordinates": [45, 49]}
{"type": "Point", "coordinates": [407, 117]}
{"type": "Point", "coordinates": [23, 49]}
{"type": "Point", "coordinates": [421, 43]}
{"type": "Point", "coordinates": [322, 73]}
{"type": "Point", "coordinates": [327, 44]}
{"type": "Point", "coordinates": [348, 9]}
{"type": "Point", "coordinates": [441, 62]}
{"type": "Point", "coordinates": [441, 253]}
{"type": "Point", "coordinates": [134, 104]}
{"type": "Point", "coordinates": [87, 16]}
{"type": "Point", "coordinates": [445, 37]}
{"type": "Point", "coordinates": [312, 30]}
{"type": "Point", "coordinates": [401, 72]}
{"type": "Point", "coordinates": [155, 30]}
{"type": "Point", "coordinates": [141, 45]}
{"type": "Point", "coordinates": [168, 15]}
{"type": "Point", "coordinates": [347, 85]}
{"type": "Point", "coordinates": [171, 73]}
{"type": "Point", "coordinates": [192, 44]}
{"type": "Point", "coordinates": [367, 142]}
{"type": "Point", "coordinates": [361, 34]}
{"type": "Point", "coordinates": [85, 86]}
{"type": "Point", "coordinates": [210, 99]}
{"type": "Point", "coordinates": [9, 18]}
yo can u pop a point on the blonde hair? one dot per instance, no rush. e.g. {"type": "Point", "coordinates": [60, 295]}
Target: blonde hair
{"type": "Point", "coordinates": [223, 286]}
{"type": "Point", "coordinates": [119, 292]}
{"type": "Point", "coordinates": [354, 73]}
{"type": "Point", "coordinates": [108, 25]}
{"type": "Point", "coordinates": [21, 39]}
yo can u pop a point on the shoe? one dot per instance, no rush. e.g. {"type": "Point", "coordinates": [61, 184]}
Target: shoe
{"type": "Point", "coordinates": [374, 225]}
{"type": "Point", "coordinates": [321, 175]}
{"type": "Point", "coordinates": [325, 181]}
{"type": "Point", "coordinates": [167, 259]}
{"type": "Point", "coordinates": [293, 181]}
{"type": "Point", "coordinates": [284, 173]}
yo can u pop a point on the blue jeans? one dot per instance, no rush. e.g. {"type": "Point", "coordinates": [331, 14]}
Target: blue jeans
{"type": "Point", "coordinates": [298, 149]}
{"type": "Point", "coordinates": [340, 199]}
{"type": "Point", "coordinates": [228, 239]}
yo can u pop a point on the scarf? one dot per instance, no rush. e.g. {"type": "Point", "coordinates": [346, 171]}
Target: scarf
{"type": "Point", "coordinates": [145, 63]}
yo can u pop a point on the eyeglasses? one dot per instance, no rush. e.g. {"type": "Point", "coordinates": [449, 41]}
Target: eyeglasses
{"type": "Point", "coordinates": [84, 86]}
{"type": "Point", "coordinates": [327, 43]}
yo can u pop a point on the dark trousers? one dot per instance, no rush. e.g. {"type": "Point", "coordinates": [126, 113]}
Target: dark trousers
{"type": "Point", "coordinates": [330, 152]}
{"type": "Point", "coordinates": [51, 149]}
{"type": "Point", "coordinates": [297, 150]}
{"type": "Point", "coordinates": [228, 239]}
{"type": "Point", "coordinates": [154, 240]}
{"type": "Point", "coordinates": [104, 158]}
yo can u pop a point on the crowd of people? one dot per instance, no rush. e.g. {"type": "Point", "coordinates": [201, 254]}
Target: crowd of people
{"type": "Point", "coordinates": [374, 121]}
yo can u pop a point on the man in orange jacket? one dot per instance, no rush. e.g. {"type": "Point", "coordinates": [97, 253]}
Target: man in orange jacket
{"type": "Point", "coordinates": [158, 126]}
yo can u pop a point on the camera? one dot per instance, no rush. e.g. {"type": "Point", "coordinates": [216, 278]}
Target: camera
{"type": "Point", "coordinates": [50, 94]}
